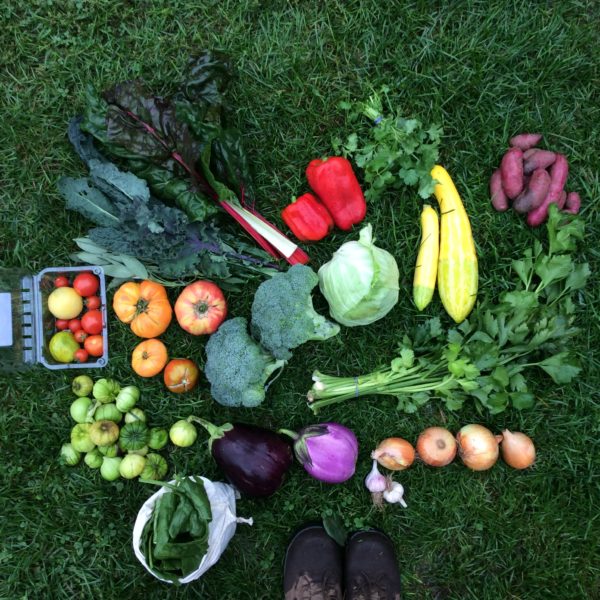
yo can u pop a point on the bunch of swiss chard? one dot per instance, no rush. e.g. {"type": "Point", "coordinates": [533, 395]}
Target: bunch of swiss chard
{"type": "Point", "coordinates": [180, 144]}
{"type": "Point", "coordinates": [183, 150]}
{"type": "Point", "coordinates": [484, 358]}
{"type": "Point", "coordinates": [175, 538]}
{"type": "Point", "coordinates": [137, 236]}
{"type": "Point", "coordinates": [392, 150]}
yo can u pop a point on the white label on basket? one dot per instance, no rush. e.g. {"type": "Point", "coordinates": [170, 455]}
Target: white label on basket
{"type": "Point", "coordinates": [6, 327]}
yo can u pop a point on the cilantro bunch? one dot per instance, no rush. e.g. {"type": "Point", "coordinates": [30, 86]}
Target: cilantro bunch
{"type": "Point", "coordinates": [392, 150]}
{"type": "Point", "coordinates": [484, 359]}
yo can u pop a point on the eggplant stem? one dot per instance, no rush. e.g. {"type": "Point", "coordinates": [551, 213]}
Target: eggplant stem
{"type": "Point", "coordinates": [214, 431]}
{"type": "Point", "coordinates": [292, 434]}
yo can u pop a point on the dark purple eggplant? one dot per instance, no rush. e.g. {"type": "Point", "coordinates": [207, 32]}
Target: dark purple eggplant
{"type": "Point", "coordinates": [254, 459]}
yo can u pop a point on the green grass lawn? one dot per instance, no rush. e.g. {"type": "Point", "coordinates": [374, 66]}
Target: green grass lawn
{"type": "Point", "coordinates": [484, 69]}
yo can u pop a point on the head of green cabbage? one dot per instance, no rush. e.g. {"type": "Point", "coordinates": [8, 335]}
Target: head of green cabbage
{"type": "Point", "coordinates": [360, 282]}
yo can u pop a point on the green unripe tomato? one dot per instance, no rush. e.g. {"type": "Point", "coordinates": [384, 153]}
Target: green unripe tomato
{"type": "Point", "coordinates": [82, 385]}
{"type": "Point", "coordinates": [80, 438]}
{"type": "Point", "coordinates": [108, 412]}
{"type": "Point", "coordinates": [79, 409]}
{"type": "Point", "coordinates": [131, 466]}
{"type": "Point", "coordinates": [135, 414]}
{"type": "Point", "coordinates": [158, 438]}
{"type": "Point", "coordinates": [183, 433]}
{"type": "Point", "coordinates": [142, 451]}
{"type": "Point", "coordinates": [69, 456]}
{"type": "Point", "coordinates": [127, 398]}
{"type": "Point", "coordinates": [134, 436]}
{"type": "Point", "coordinates": [110, 468]}
{"type": "Point", "coordinates": [110, 451]}
{"type": "Point", "coordinates": [93, 459]}
{"type": "Point", "coordinates": [106, 390]}
{"type": "Point", "coordinates": [155, 468]}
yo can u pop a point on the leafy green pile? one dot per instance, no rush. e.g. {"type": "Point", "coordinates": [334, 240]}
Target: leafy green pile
{"type": "Point", "coordinates": [484, 358]}
{"type": "Point", "coordinates": [138, 236]}
{"type": "Point", "coordinates": [181, 151]}
{"type": "Point", "coordinates": [175, 538]}
{"type": "Point", "coordinates": [180, 144]}
{"type": "Point", "coordinates": [392, 150]}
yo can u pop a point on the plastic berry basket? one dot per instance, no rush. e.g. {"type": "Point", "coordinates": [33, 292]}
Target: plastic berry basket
{"type": "Point", "coordinates": [26, 324]}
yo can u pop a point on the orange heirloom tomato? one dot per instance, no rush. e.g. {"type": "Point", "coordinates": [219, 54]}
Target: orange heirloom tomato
{"type": "Point", "coordinates": [201, 308]}
{"type": "Point", "coordinates": [181, 375]}
{"type": "Point", "coordinates": [149, 358]}
{"type": "Point", "coordinates": [144, 306]}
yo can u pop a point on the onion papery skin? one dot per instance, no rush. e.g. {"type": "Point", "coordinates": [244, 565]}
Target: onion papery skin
{"type": "Point", "coordinates": [394, 453]}
{"type": "Point", "coordinates": [517, 449]}
{"type": "Point", "coordinates": [477, 447]}
{"type": "Point", "coordinates": [436, 447]}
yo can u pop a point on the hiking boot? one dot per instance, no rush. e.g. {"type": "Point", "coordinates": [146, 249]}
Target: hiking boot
{"type": "Point", "coordinates": [313, 566]}
{"type": "Point", "coordinates": [371, 569]}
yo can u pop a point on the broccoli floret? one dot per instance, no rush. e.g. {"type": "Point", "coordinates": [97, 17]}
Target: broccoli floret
{"type": "Point", "coordinates": [236, 366]}
{"type": "Point", "coordinates": [283, 316]}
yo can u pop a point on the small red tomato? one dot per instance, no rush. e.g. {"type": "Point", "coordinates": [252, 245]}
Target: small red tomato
{"type": "Point", "coordinates": [80, 336]}
{"type": "Point", "coordinates": [91, 322]}
{"type": "Point", "coordinates": [86, 284]}
{"type": "Point", "coordinates": [200, 308]}
{"type": "Point", "coordinates": [94, 344]}
{"type": "Point", "coordinates": [181, 375]}
{"type": "Point", "coordinates": [81, 355]}
{"type": "Point", "coordinates": [61, 281]}
{"type": "Point", "coordinates": [74, 325]}
{"type": "Point", "coordinates": [92, 302]}
{"type": "Point", "coordinates": [62, 324]}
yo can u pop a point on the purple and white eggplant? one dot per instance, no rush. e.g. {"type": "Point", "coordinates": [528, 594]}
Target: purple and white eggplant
{"type": "Point", "coordinates": [327, 451]}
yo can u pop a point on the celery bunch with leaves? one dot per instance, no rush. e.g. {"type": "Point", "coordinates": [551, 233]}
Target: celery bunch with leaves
{"type": "Point", "coordinates": [485, 357]}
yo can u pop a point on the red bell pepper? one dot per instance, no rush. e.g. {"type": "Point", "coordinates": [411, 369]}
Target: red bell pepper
{"type": "Point", "coordinates": [336, 185]}
{"type": "Point", "coordinates": [308, 219]}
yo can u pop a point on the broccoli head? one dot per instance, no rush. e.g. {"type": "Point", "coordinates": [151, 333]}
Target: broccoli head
{"type": "Point", "coordinates": [283, 316]}
{"type": "Point", "coordinates": [236, 366]}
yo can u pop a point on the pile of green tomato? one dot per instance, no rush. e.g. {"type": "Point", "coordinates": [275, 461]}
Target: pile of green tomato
{"type": "Point", "coordinates": [111, 432]}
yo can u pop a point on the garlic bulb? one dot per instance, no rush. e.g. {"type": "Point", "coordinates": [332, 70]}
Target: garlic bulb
{"type": "Point", "coordinates": [377, 484]}
{"type": "Point", "coordinates": [395, 493]}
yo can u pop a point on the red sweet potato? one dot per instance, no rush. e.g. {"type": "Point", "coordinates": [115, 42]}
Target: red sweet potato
{"type": "Point", "coordinates": [533, 195]}
{"type": "Point", "coordinates": [558, 177]}
{"type": "Point", "coordinates": [573, 203]}
{"type": "Point", "coordinates": [511, 170]}
{"type": "Point", "coordinates": [524, 141]}
{"type": "Point", "coordinates": [499, 199]}
{"type": "Point", "coordinates": [529, 152]}
{"type": "Point", "coordinates": [540, 159]}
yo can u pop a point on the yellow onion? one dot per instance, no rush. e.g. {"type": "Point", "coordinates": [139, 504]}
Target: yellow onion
{"type": "Point", "coordinates": [477, 447]}
{"type": "Point", "coordinates": [518, 450]}
{"type": "Point", "coordinates": [394, 453]}
{"type": "Point", "coordinates": [436, 447]}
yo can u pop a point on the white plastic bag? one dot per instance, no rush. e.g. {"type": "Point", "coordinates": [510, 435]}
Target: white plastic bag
{"type": "Point", "coordinates": [222, 498]}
